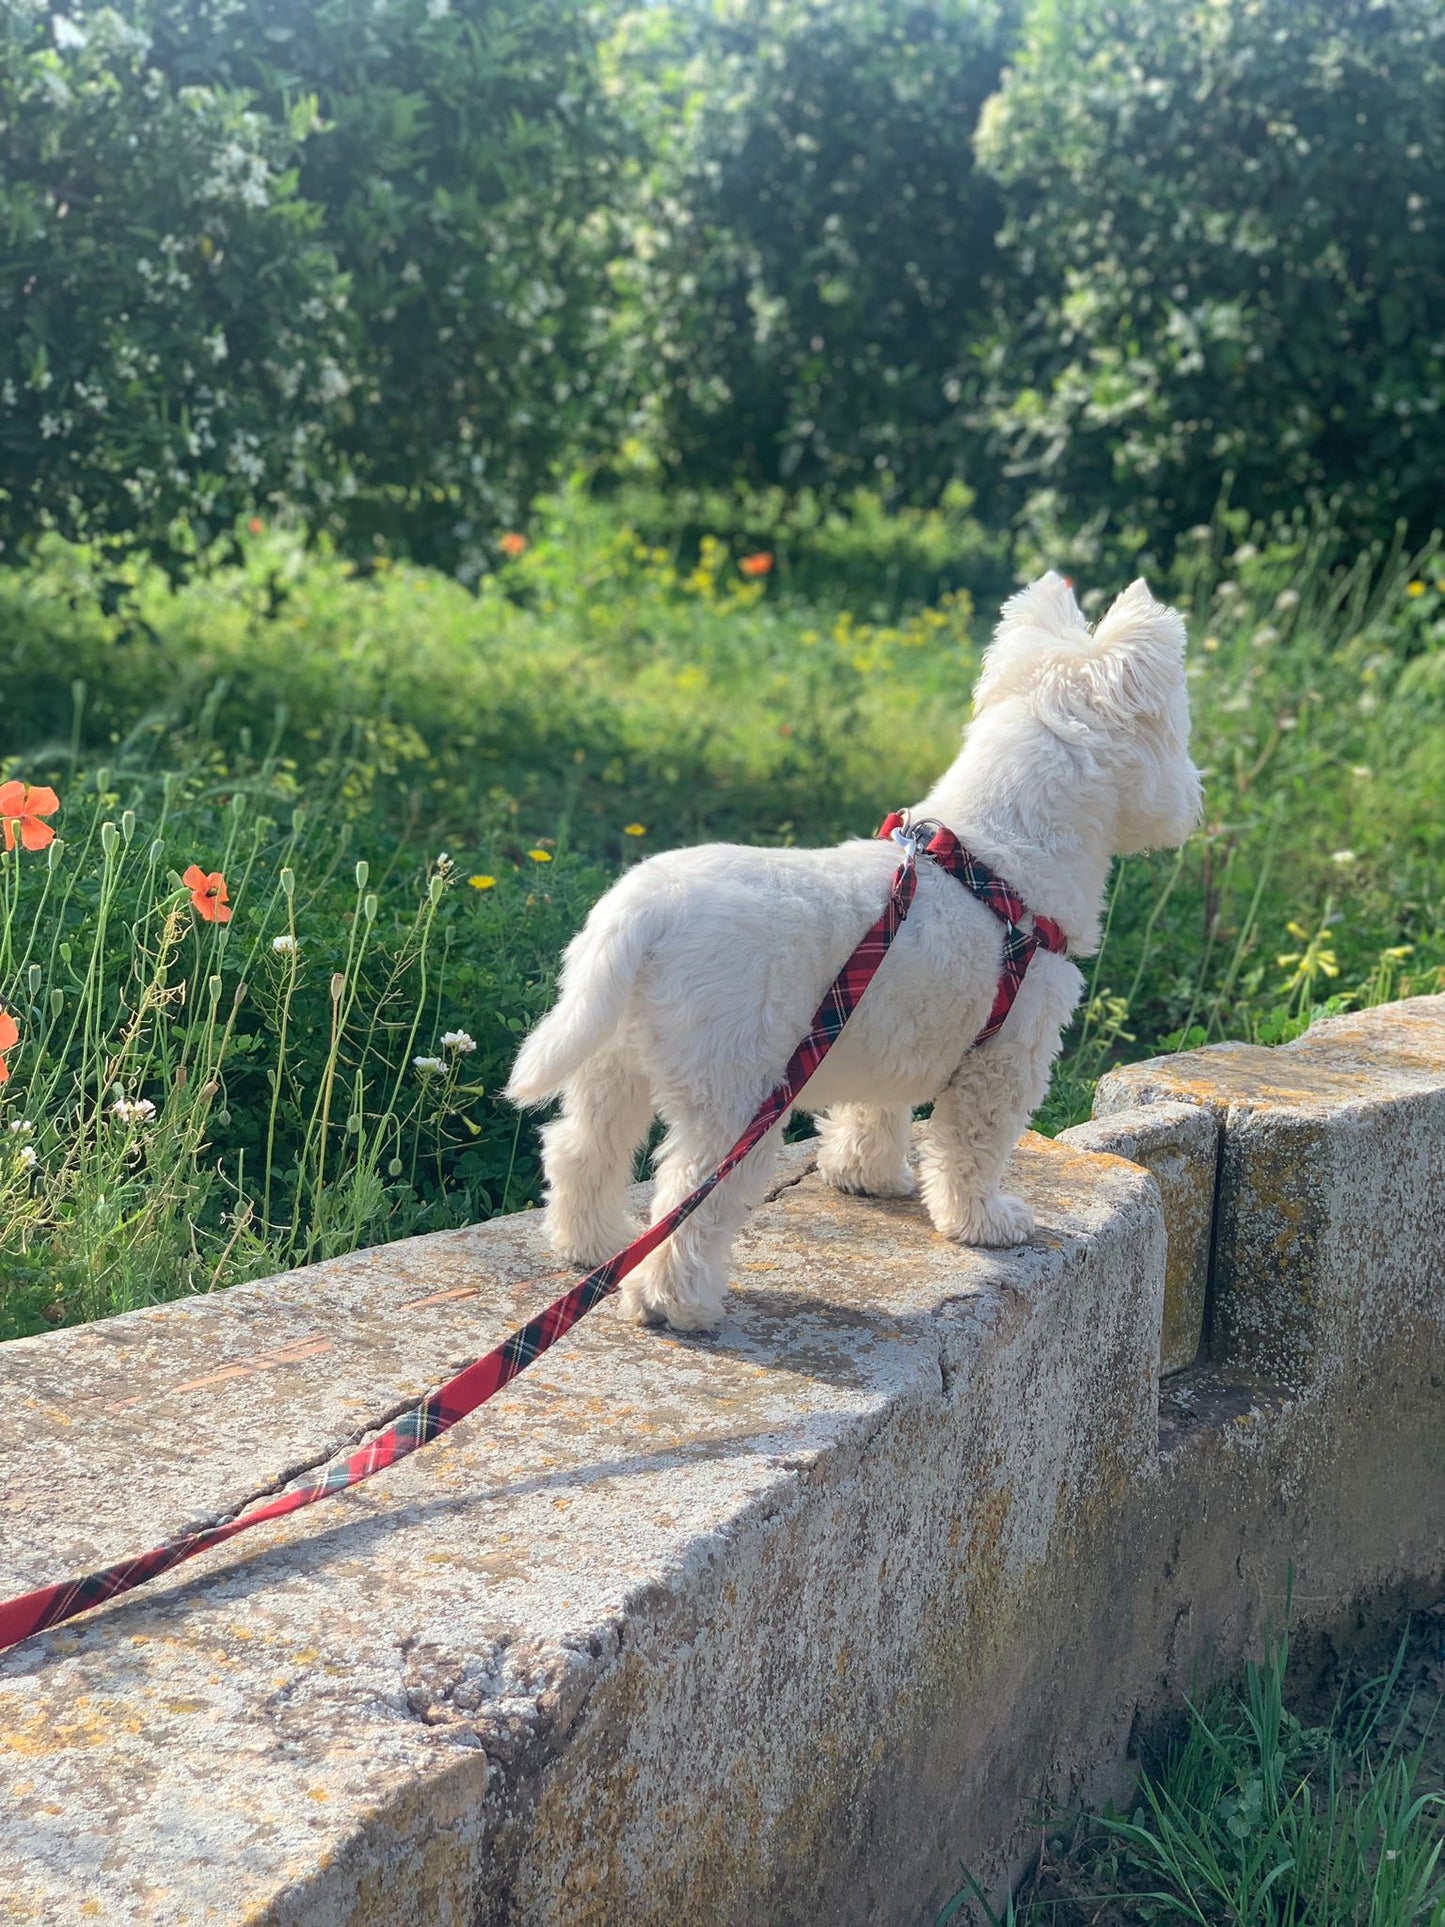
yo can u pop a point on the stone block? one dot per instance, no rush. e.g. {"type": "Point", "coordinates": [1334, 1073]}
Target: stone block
{"type": "Point", "coordinates": [1179, 1145]}
{"type": "Point", "coordinates": [1331, 1212]}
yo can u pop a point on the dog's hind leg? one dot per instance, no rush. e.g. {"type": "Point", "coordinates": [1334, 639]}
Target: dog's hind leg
{"type": "Point", "coordinates": [864, 1148]}
{"type": "Point", "coordinates": [977, 1120]}
{"type": "Point", "coordinates": [684, 1282]}
{"type": "Point", "coordinates": [587, 1155]}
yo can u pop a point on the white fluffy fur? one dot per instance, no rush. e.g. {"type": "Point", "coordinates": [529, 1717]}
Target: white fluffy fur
{"type": "Point", "coordinates": [697, 974]}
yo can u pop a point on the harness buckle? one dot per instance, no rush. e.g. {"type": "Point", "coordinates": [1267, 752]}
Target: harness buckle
{"type": "Point", "coordinates": [913, 838]}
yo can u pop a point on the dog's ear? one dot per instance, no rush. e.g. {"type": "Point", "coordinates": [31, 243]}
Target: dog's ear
{"type": "Point", "coordinates": [1074, 680]}
{"type": "Point", "coordinates": [1039, 627]}
{"type": "Point", "coordinates": [1136, 664]}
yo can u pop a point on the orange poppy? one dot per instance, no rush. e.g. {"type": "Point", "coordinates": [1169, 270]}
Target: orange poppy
{"type": "Point", "coordinates": [760, 564]}
{"type": "Point", "coordinates": [255, 525]}
{"type": "Point", "coordinates": [19, 804]}
{"type": "Point", "coordinates": [9, 1038]}
{"type": "Point", "coordinates": [513, 544]}
{"type": "Point", "coordinates": [208, 894]}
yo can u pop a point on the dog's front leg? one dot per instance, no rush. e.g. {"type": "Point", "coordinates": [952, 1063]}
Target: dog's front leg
{"type": "Point", "coordinates": [977, 1120]}
{"type": "Point", "coordinates": [864, 1148]}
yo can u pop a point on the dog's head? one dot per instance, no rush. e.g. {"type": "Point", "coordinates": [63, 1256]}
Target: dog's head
{"type": "Point", "coordinates": [1116, 692]}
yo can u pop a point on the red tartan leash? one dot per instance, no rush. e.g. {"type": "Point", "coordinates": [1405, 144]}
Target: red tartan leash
{"type": "Point", "coordinates": [439, 1411]}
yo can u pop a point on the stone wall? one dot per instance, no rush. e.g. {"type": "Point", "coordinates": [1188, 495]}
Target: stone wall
{"type": "Point", "coordinates": [783, 1626]}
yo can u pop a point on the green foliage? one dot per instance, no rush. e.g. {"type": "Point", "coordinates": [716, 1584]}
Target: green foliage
{"type": "Point", "coordinates": [1223, 258]}
{"type": "Point", "coordinates": [461, 160]}
{"type": "Point", "coordinates": [851, 551]}
{"type": "Point", "coordinates": [1254, 1817]}
{"type": "Point", "coordinates": [808, 254]}
{"type": "Point", "coordinates": [342, 262]}
{"type": "Point", "coordinates": [173, 336]}
{"type": "Point", "coordinates": [594, 683]}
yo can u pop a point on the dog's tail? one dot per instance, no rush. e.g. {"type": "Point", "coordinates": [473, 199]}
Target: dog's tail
{"type": "Point", "coordinates": [598, 972]}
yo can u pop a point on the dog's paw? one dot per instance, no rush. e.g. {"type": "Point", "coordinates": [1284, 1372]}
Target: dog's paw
{"type": "Point", "coordinates": [643, 1303]}
{"type": "Point", "coordinates": [860, 1182]}
{"type": "Point", "coordinates": [996, 1221]}
{"type": "Point", "coordinates": [583, 1246]}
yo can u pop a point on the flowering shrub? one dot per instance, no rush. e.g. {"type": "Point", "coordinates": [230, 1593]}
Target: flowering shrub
{"type": "Point", "coordinates": [806, 257]}
{"type": "Point", "coordinates": [335, 260]}
{"type": "Point", "coordinates": [173, 331]}
{"type": "Point", "coordinates": [1223, 257]}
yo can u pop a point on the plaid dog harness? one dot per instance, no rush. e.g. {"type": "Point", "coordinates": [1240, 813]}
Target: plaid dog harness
{"type": "Point", "coordinates": [1019, 942]}
{"type": "Point", "coordinates": [430, 1417]}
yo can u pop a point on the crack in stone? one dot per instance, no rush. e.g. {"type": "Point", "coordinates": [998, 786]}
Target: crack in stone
{"type": "Point", "coordinates": [289, 1474]}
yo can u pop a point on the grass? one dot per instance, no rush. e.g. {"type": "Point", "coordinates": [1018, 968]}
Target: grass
{"type": "Point", "coordinates": [1256, 1817]}
{"type": "Point", "coordinates": [351, 748]}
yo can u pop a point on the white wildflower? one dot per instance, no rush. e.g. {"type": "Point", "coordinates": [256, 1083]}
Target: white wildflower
{"type": "Point", "coordinates": [459, 1040]}
{"type": "Point", "coordinates": [1343, 857]}
{"type": "Point", "coordinates": [428, 1066]}
{"type": "Point", "coordinates": [1286, 600]}
{"type": "Point", "coordinates": [411, 274]}
{"type": "Point", "coordinates": [49, 425]}
{"type": "Point", "coordinates": [331, 383]}
{"type": "Point", "coordinates": [67, 32]}
{"type": "Point", "coordinates": [133, 1110]}
{"type": "Point", "coordinates": [284, 946]}
{"type": "Point", "coordinates": [28, 1156]}
{"type": "Point", "coordinates": [21, 1125]}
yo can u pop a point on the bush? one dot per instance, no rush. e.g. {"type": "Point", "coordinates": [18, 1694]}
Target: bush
{"type": "Point", "coordinates": [341, 262]}
{"type": "Point", "coordinates": [173, 338]}
{"type": "Point", "coordinates": [1223, 261]}
{"type": "Point", "coordinates": [809, 253]}
{"type": "Point", "coordinates": [461, 166]}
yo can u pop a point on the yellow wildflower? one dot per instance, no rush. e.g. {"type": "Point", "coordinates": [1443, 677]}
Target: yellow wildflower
{"type": "Point", "coordinates": [1415, 588]}
{"type": "Point", "coordinates": [540, 856]}
{"type": "Point", "coordinates": [483, 883]}
{"type": "Point", "coordinates": [634, 829]}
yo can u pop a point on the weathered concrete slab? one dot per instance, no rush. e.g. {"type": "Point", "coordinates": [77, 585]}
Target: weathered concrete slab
{"type": "Point", "coordinates": [782, 1626]}
{"type": "Point", "coordinates": [1179, 1145]}
{"type": "Point", "coordinates": [352, 1718]}
{"type": "Point", "coordinates": [1331, 1216]}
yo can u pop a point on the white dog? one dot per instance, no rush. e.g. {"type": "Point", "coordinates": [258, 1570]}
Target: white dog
{"type": "Point", "coordinates": [698, 973]}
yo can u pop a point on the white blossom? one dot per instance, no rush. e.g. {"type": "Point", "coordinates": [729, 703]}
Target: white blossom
{"type": "Point", "coordinates": [133, 1110]}
{"type": "Point", "coordinates": [459, 1040]}
{"type": "Point", "coordinates": [331, 383]}
{"type": "Point", "coordinates": [428, 1066]}
{"type": "Point", "coordinates": [284, 946]}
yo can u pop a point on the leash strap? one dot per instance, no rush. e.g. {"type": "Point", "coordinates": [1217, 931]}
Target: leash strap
{"type": "Point", "coordinates": [439, 1411]}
